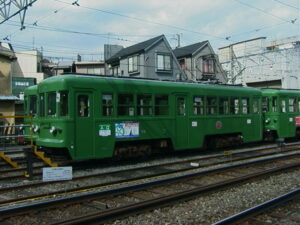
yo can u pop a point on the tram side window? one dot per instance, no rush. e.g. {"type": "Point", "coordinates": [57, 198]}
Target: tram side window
{"type": "Point", "coordinates": [180, 106]}
{"type": "Point", "coordinates": [107, 104]}
{"type": "Point", "coordinates": [265, 104]}
{"type": "Point", "coordinates": [42, 104]}
{"type": "Point", "coordinates": [292, 105]}
{"type": "Point", "coordinates": [125, 105]}
{"type": "Point", "coordinates": [32, 105]}
{"type": "Point", "coordinates": [83, 105]}
{"type": "Point", "coordinates": [274, 104]}
{"type": "Point", "coordinates": [51, 104]}
{"type": "Point", "coordinates": [144, 105]}
{"type": "Point", "coordinates": [283, 105]}
{"type": "Point", "coordinates": [64, 103]}
{"type": "Point", "coordinates": [255, 104]}
{"type": "Point", "coordinates": [161, 105]}
{"type": "Point", "coordinates": [245, 105]}
{"type": "Point", "coordinates": [223, 106]}
{"type": "Point", "coordinates": [198, 105]}
{"type": "Point", "coordinates": [234, 106]}
{"type": "Point", "coordinates": [298, 103]}
{"type": "Point", "coordinates": [211, 105]}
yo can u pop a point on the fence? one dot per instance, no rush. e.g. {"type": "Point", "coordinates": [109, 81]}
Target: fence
{"type": "Point", "coordinates": [13, 134]}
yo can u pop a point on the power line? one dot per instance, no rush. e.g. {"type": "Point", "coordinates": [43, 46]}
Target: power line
{"type": "Point", "coordinates": [142, 20]}
{"type": "Point", "coordinates": [286, 4]}
{"type": "Point", "coordinates": [265, 12]}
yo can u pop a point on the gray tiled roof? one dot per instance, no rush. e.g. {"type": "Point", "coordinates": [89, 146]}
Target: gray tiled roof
{"type": "Point", "coordinates": [188, 50]}
{"type": "Point", "coordinates": [137, 48]}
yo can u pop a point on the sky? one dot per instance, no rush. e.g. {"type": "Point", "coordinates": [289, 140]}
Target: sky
{"type": "Point", "coordinates": [61, 30]}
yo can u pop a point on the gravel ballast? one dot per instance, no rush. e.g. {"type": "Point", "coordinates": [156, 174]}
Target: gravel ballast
{"type": "Point", "coordinates": [216, 206]}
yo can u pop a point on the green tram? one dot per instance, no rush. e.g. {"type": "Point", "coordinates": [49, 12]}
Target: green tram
{"type": "Point", "coordinates": [281, 113]}
{"type": "Point", "coordinates": [99, 117]}
{"type": "Point", "coordinates": [31, 98]}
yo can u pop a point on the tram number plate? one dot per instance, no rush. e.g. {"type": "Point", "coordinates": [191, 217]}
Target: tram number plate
{"type": "Point", "coordinates": [57, 173]}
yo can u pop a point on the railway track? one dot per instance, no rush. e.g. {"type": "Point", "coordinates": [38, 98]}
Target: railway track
{"type": "Point", "coordinates": [283, 209]}
{"type": "Point", "coordinates": [121, 199]}
{"type": "Point", "coordinates": [15, 174]}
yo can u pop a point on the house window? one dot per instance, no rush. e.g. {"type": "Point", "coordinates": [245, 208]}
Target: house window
{"type": "Point", "coordinates": [208, 65]}
{"type": "Point", "coordinates": [133, 64]}
{"type": "Point", "coordinates": [163, 62]}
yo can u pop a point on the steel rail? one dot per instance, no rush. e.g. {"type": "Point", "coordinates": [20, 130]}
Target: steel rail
{"type": "Point", "coordinates": [135, 208]}
{"type": "Point", "coordinates": [259, 208]}
{"type": "Point", "coordinates": [21, 207]}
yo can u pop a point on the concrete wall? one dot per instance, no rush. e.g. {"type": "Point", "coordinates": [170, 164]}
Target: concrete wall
{"type": "Point", "coordinates": [28, 65]}
{"type": "Point", "coordinates": [5, 76]}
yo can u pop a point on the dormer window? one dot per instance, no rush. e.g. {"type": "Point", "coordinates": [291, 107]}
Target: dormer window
{"type": "Point", "coordinates": [163, 62]}
{"type": "Point", "coordinates": [133, 62]}
{"type": "Point", "coordinates": [208, 65]}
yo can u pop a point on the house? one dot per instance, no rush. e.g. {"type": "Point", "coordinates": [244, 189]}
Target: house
{"type": "Point", "coordinates": [7, 100]}
{"type": "Point", "coordinates": [199, 62]}
{"type": "Point", "coordinates": [29, 65]}
{"type": "Point", "coordinates": [90, 67]}
{"type": "Point", "coordinates": [152, 59]}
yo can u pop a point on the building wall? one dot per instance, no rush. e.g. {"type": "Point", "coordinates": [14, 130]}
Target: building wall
{"type": "Point", "coordinates": [5, 76]}
{"type": "Point", "coordinates": [264, 62]}
{"type": "Point", "coordinates": [98, 69]}
{"type": "Point", "coordinates": [148, 64]}
{"type": "Point", "coordinates": [28, 65]}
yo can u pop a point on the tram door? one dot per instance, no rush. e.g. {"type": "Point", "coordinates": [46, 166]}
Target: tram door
{"type": "Point", "coordinates": [182, 132]}
{"type": "Point", "coordinates": [84, 126]}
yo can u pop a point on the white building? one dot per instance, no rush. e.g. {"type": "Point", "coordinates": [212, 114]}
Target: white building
{"type": "Point", "coordinates": [28, 65]}
{"type": "Point", "coordinates": [261, 63]}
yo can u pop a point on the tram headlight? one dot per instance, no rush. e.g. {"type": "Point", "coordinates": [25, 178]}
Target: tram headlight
{"type": "Point", "coordinates": [52, 130]}
{"type": "Point", "coordinates": [267, 121]}
{"type": "Point", "coordinates": [36, 129]}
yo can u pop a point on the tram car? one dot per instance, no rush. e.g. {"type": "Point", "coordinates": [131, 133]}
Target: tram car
{"type": "Point", "coordinates": [100, 117]}
{"type": "Point", "coordinates": [281, 109]}
{"type": "Point", "coordinates": [31, 107]}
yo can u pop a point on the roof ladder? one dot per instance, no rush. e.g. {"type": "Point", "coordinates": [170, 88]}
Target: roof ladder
{"type": "Point", "coordinates": [8, 160]}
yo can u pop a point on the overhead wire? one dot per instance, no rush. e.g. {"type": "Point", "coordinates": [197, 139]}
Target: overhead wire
{"type": "Point", "coordinates": [265, 12]}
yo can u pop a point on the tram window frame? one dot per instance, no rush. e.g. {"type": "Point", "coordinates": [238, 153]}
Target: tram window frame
{"type": "Point", "coordinates": [234, 105]}
{"type": "Point", "coordinates": [51, 104]}
{"type": "Point", "coordinates": [223, 106]}
{"type": "Point", "coordinates": [32, 112]}
{"type": "Point", "coordinates": [161, 103]}
{"type": "Point", "coordinates": [292, 105]}
{"type": "Point", "coordinates": [198, 105]}
{"type": "Point", "coordinates": [63, 103]}
{"type": "Point", "coordinates": [42, 104]}
{"type": "Point", "coordinates": [265, 104]}
{"type": "Point", "coordinates": [144, 105]}
{"type": "Point", "coordinates": [83, 104]}
{"type": "Point", "coordinates": [283, 106]}
{"type": "Point", "coordinates": [245, 105]}
{"type": "Point", "coordinates": [126, 108]}
{"type": "Point", "coordinates": [181, 106]}
{"type": "Point", "coordinates": [274, 102]}
{"type": "Point", "coordinates": [255, 105]}
{"type": "Point", "coordinates": [107, 104]}
{"type": "Point", "coordinates": [211, 105]}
